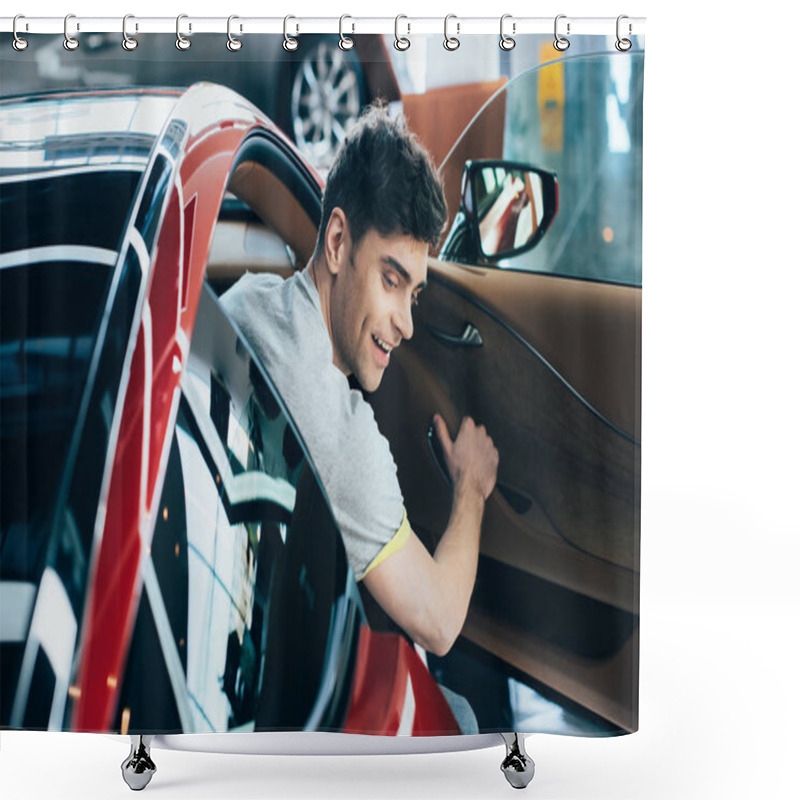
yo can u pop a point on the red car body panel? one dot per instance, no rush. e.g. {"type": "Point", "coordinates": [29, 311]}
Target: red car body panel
{"type": "Point", "coordinates": [150, 405]}
{"type": "Point", "coordinates": [387, 668]}
{"type": "Point", "coordinates": [393, 692]}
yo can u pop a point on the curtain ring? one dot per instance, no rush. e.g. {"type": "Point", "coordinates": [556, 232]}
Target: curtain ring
{"type": "Point", "coordinates": [345, 42]}
{"type": "Point", "coordinates": [181, 42]}
{"type": "Point", "coordinates": [506, 42]}
{"type": "Point", "coordinates": [128, 42]}
{"type": "Point", "coordinates": [289, 43]}
{"type": "Point", "coordinates": [623, 45]}
{"type": "Point", "coordinates": [401, 43]}
{"type": "Point", "coordinates": [19, 44]}
{"type": "Point", "coordinates": [70, 42]}
{"type": "Point", "coordinates": [560, 43]}
{"type": "Point", "coordinates": [451, 42]}
{"type": "Point", "coordinates": [233, 44]}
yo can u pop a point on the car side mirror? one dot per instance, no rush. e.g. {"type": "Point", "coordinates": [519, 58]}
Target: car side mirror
{"type": "Point", "coordinates": [509, 206]}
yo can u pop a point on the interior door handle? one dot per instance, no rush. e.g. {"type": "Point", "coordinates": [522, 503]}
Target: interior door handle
{"type": "Point", "coordinates": [469, 337]}
{"type": "Point", "coordinates": [438, 454]}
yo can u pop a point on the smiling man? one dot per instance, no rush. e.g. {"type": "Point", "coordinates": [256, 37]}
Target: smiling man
{"type": "Point", "coordinates": [343, 316]}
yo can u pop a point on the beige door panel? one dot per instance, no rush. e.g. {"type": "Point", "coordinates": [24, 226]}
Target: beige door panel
{"type": "Point", "coordinates": [602, 685]}
{"type": "Point", "coordinates": [564, 508]}
{"type": "Point", "coordinates": [589, 332]}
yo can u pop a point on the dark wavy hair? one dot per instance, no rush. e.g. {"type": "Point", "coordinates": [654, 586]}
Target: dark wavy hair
{"type": "Point", "coordinates": [384, 179]}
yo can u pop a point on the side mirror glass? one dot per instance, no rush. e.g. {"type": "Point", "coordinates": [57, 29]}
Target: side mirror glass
{"type": "Point", "coordinates": [511, 206]}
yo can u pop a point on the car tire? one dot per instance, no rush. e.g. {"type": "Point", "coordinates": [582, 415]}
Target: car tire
{"type": "Point", "coordinates": [322, 96]}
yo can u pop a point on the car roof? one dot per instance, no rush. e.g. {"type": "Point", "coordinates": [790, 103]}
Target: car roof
{"type": "Point", "coordinates": [77, 131]}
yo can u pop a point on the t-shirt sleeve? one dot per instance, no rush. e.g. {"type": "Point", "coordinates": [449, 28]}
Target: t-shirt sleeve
{"type": "Point", "coordinates": [397, 542]}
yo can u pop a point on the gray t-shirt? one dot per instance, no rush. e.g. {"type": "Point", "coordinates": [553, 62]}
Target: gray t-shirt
{"type": "Point", "coordinates": [282, 321]}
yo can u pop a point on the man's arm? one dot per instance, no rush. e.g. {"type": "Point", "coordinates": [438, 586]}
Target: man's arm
{"type": "Point", "coordinates": [428, 596]}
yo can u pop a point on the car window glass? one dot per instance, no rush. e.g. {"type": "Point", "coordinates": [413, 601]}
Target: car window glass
{"type": "Point", "coordinates": [152, 202]}
{"type": "Point", "coordinates": [59, 239]}
{"type": "Point", "coordinates": [580, 117]}
{"type": "Point", "coordinates": [47, 338]}
{"type": "Point", "coordinates": [264, 570]}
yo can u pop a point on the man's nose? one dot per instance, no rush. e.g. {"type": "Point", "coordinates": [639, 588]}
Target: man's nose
{"type": "Point", "coordinates": [404, 320]}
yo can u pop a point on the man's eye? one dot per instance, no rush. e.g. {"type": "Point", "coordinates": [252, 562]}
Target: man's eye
{"type": "Point", "coordinates": [390, 281]}
{"type": "Point", "coordinates": [415, 299]}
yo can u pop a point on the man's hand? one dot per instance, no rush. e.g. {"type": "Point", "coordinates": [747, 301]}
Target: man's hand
{"type": "Point", "coordinates": [472, 458]}
{"type": "Point", "coordinates": [428, 596]}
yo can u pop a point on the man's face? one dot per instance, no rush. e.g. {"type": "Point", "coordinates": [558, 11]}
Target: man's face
{"type": "Point", "coordinates": [371, 299]}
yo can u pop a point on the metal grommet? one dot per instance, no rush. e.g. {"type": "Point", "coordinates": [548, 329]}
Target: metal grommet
{"type": "Point", "coordinates": [623, 44]}
{"type": "Point", "coordinates": [70, 42]}
{"type": "Point", "coordinates": [561, 43]}
{"type": "Point", "coordinates": [289, 43]}
{"type": "Point", "coordinates": [128, 42]}
{"type": "Point", "coordinates": [401, 43]}
{"type": "Point", "coordinates": [506, 42]}
{"type": "Point", "coordinates": [181, 42]}
{"type": "Point", "coordinates": [345, 42]}
{"type": "Point", "coordinates": [19, 44]}
{"type": "Point", "coordinates": [233, 44]}
{"type": "Point", "coordinates": [451, 42]}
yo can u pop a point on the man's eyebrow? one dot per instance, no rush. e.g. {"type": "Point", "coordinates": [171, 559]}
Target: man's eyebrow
{"type": "Point", "coordinates": [403, 272]}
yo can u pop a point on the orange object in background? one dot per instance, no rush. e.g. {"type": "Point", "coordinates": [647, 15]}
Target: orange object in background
{"type": "Point", "coordinates": [551, 99]}
{"type": "Point", "coordinates": [439, 117]}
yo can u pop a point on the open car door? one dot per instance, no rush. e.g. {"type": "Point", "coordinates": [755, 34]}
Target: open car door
{"type": "Point", "coordinates": [541, 345]}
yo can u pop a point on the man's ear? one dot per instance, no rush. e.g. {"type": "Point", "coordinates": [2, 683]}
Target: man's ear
{"type": "Point", "coordinates": [337, 240]}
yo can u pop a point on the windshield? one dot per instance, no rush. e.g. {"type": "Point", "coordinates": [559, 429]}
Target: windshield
{"type": "Point", "coordinates": [580, 117]}
{"type": "Point", "coordinates": [58, 247]}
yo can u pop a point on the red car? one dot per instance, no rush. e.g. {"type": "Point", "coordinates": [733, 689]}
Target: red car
{"type": "Point", "coordinates": [169, 559]}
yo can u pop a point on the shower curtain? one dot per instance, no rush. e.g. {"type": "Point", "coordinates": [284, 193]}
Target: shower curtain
{"type": "Point", "coordinates": [171, 553]}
